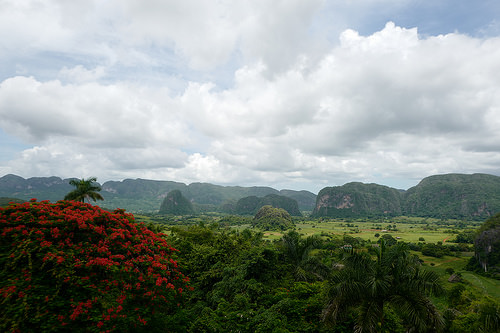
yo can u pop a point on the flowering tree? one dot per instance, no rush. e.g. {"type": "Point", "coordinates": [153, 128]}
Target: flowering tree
{"type": "Point", "coordinates": [74, 266]}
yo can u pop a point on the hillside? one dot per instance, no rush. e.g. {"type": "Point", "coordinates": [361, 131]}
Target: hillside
{"type": "Point", "coordinates": [358, 199]}
{"type": "Point", "coordinates": [475, 196]}
{"type": "Point", "coordinates": [454, 196]}
{"type": "Point", "coordinates": [142, 195]}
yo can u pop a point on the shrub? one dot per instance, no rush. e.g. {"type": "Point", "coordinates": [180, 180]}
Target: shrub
{"type": "Point", "coordinates": [73, 266]}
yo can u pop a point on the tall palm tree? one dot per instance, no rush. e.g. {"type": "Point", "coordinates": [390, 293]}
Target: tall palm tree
{"type": "Point", "coordinates": [394, 281]}
{"type": "Point", "coordinates": [84, 189]}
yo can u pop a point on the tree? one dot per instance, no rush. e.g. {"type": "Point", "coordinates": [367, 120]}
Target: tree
{"type": "Point", "coordinates": [84, 189]}
{"type": "Point", "coordinates": [393, 283]}
{"type": "Point", "coordinates": [297, 251]}
{"type": "Point", "coordinates": [70, 266]}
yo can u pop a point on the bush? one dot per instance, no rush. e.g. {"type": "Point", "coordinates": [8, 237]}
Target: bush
{"type": "Point", "coordinates": [73, 266]}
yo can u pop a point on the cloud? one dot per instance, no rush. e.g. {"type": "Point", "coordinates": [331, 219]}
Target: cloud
{"type": "Point", "coordinates": [391, 104]}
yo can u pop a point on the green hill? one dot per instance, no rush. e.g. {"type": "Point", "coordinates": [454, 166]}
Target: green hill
{"type": "Point", "coordinates": [145, 196]}
{"type": "Point", "coordinates": [176, 204]}
{"type": "Point", "coordinates": [358, 199]}
{"type": "Point", "coordinates": [272, 218]}
{"type": "Point", "coordinates": [475, 196]}
{"type": "Point", "coordinates": [454, 196]}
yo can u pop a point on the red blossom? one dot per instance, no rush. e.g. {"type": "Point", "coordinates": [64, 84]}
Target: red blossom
{"type": "Point", "coordinates": [51, 242]}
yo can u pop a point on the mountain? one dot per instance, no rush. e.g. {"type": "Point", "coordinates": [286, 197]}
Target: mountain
{"type": "Point", "coordinates": [142, 195]}
{"type": "Point", "coordinates": [358, 199]}
{"type": "Point", "coordinates": [475, 196]}
{"type": "Point", "coordinates": [454, 196]}
{"type": "Point", "coordinates": [42, 188]}
{"type": "Point", "coordinates": [175, 203]}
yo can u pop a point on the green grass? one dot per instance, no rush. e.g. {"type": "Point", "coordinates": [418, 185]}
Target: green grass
{"type": "Point", "coordinates": [483, 284]}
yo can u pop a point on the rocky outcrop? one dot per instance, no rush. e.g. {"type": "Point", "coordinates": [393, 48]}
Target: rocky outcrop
{"type": "Point", "coordinates": [358, 199]}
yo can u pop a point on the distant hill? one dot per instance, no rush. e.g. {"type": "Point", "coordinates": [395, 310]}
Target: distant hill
{"type": "Point", "coordinates": [358, 199]}
{"type": "Point", "coordinates": [475, 196]}
{"type": "Point", "coordinates": [250, 205]}
{"type": "Point", "coordinates": [454, 196]}
{"type": "Point", "coordinates": [175, 203]}
{"type": "Point", "coordinates": [146, 196]}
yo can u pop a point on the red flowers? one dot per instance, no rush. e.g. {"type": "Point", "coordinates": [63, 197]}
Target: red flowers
{"type": "Point", "coordinates": [81, 257]}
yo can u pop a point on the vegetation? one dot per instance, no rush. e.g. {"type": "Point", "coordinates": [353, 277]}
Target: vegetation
{"type": "Point", "coordinates": [6, 201]}
{"type": "Point", "coordinates": [394, 284]}
{"type": "Point", "coordinates": [70, 266]}
{"type": "Point", "coordinates": [487, 247]}
{"type": "Point", "coordinates": [84, 189]}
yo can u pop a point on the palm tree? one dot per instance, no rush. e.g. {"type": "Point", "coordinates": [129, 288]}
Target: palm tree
{"type": "Point", "coordinates": [84, 189]}
{"type": "Point", "coordinates": [297, 252]}
{"type": "Point", "coordinates": [393, 282]}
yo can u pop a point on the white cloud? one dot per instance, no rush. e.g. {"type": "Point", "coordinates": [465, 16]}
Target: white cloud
{"type": "Point", "coordinates": [388, 105]}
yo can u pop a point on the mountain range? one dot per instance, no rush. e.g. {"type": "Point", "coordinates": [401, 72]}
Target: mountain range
{"type": "Point", "coordinates": [146, 196]}
{"type": "Point", "coordinates": [473, 196]}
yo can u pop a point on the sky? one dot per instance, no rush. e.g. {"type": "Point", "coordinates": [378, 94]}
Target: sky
{"type": "Point", "coordinates": [292, 94]}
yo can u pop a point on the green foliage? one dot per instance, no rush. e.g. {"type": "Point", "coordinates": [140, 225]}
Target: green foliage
{"type": "Point", "coordinates": [394, 282]}
{"type": "Point", "coordinates": [487, 246]}
{"type": "Point", "coordinates": [6, 201]}
{"type": "Point", "coordinates": [70, 266]}
{"type": "Point", "coordinates": [84, 189]}
{"type": "Point", "coordinates": [435, 250]}
{"type": "Point", "coordinates": [176, 204]}
{"type": "Point", "coordinates": [270, 218]}
{"type": "Point", "coordinates": [466, 237]}
{"type": "Point", "coordinates": [297, 254]}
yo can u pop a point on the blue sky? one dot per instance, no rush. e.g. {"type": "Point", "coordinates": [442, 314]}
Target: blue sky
{"type": "Point", "coordinates": [297, 94]}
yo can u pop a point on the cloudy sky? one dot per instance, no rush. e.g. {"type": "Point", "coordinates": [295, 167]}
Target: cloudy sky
{"type": "Point", "coordinates": [297, 94]}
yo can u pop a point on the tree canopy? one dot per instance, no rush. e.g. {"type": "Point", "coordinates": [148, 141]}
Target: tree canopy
{"type": "Point", "coordinates": [71, 266]}
{"type": "Point", "coordinates": [392, 284]}
{"type": "Point", "coordinates": [84, 189]}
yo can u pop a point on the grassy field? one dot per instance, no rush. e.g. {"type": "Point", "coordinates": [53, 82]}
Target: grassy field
{"type": "Point", "coordinates": [404, 229]}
